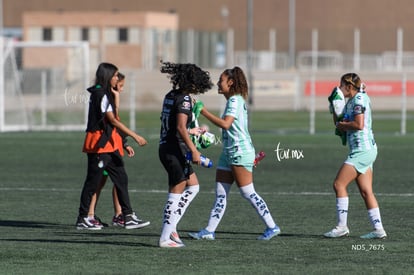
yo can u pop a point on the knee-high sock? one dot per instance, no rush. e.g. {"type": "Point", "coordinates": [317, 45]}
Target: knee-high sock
{"type": "Point", "coordinates": [219, 206]}
{"type": "Point", "coordinates": [186, 198]}
{"type": "Point", "coordinates": [342, 210]}
{"type": "Point", "coordinates": [375, 218]}
{"type": "Point", "coordinates": [258, 203]}
{"type": "Point", "coordinates": [170, 216]}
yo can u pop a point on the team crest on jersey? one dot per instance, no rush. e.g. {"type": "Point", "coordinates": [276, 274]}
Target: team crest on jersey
{"type": "Point", "coordinates": [358, 109]}
{"type": "Point", "coordinates": [186, 105]}
{"type": "Point", "coordinates": [186, 97]}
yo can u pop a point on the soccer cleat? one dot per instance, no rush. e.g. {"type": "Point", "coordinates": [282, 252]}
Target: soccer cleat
{"type": "Point", "coordinates": [203, 234]}
{"type": "Point", "coordinates": [88, 224]}
{"type": "Point", "coordinates": [270, 233]}
{"type": "Point", "coordinates": [175, 237]}
{"type": "Point", "coordinates": [132, 222]}
{"type": "Point", "coordinates": [376, 234]}
{"type": "Point", "coordinates": [173, 242]}
{"type": "Point", "coordinates": [337, 232]}
{"type": "Point", "coordinates": [118, 221]}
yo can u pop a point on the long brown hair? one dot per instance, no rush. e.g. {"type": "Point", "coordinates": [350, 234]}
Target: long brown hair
{"type": "Point", "coordinates": [239, 82]}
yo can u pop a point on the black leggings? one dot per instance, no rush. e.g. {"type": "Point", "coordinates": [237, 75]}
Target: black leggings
{"type": "Point", "coordinates": [114, 165]}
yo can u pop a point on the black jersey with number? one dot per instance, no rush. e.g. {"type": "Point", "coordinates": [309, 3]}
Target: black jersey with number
{"type": "Point", "coordinates": [174, 103]}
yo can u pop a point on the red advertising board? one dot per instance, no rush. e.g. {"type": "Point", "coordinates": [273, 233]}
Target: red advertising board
{"type": "Point", "coordinates": [374, 88]}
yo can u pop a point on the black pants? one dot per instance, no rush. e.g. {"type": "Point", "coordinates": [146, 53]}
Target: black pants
{"type": "Point", "coordinates": [114, 165]}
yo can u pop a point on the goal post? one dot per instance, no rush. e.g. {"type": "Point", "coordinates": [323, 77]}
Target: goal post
{"type": "Point", "coordinates": [43, 85]}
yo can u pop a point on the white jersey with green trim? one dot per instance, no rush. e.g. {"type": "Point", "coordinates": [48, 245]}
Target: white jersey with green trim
{"type": "Point", "coordinates": [360, 140]}
{"type": "Point", "coordinates": [237, 137]}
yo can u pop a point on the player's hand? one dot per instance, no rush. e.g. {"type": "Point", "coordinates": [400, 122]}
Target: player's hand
{"type": "Point", "coordinates": [130, 151]}
{"type": "Point", "coordinates": [198, 106]}
{"type": "Point", "coordinates": [197, 131]}
{"type": "Point", "coordinates": [114, 91]}
{"type": "Point", "coordinates": [196, 157]}
{"type": "Point", "coordinates": [140, 140]}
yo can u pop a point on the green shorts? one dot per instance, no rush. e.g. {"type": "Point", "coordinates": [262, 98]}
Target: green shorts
{"type": "Point", "coordinates": [362, 160]}
{"type": "Point", "coordinates": [226, 160]}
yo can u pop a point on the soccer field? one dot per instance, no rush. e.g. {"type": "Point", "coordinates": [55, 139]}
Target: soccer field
{"type": "Point", "coordinates": [41, 176]}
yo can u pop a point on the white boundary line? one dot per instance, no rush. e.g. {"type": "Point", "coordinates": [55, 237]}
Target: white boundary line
{"type": "Point", "coordinates": [165, 191]}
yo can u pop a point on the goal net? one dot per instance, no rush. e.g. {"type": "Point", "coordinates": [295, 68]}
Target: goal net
{"type": "Point", "coordinates": [42, 85]}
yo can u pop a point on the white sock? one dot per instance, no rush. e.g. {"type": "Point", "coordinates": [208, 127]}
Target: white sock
{"type": "Point", "coordinates": [342, 211]}
{"type": "Point", "coordinates": [219, 207]}
{"type": "Point", "coordinates": [186, 198]}
{"type": "Point", "coordinates": [170, 216]}
{"type": "Point", "coordinates": [375, 218]}
{"type": "Point", "coordinates": [258, 203]}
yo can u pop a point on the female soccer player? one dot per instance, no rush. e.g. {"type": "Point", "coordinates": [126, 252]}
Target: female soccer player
{"type": "Point", "coordinates": [357, 124]}
{"type": "Point", "coordinates": [118, 219]}
{"type": "Point", "coordinates": [237, 158]}
{"type": "Point", "coordinates": [175, 143]}
{"type": "Point", "coordinates": [103, 145]}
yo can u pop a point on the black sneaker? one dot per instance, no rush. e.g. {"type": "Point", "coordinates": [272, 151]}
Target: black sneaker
{"type": "Point", "coordinates": [86, 223]}
{"type": "Point", "coordinates": [118, 221]}
{"type": "Point", "coordinates": [132, 222]}
{"type": "Point", "coordinates": [100, 221]}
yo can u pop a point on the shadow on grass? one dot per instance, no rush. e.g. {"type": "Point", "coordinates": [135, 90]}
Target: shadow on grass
{"type": "Point", "coordinates": [118, 243]}
{"type": "Point", "coordinates": [232, 235]}
{"type": "Point", "coordinates": [29, 224]}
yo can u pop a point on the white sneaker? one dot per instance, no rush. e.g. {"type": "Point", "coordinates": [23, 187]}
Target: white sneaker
{"type": "Point", "coordinates": [376, 234]}
{"type": "Point", "coordinates": [203, 234]}
{"type": "Point", "coordinates": [337, 232]}
{"type": "Point", "coordinates": [173, 242]}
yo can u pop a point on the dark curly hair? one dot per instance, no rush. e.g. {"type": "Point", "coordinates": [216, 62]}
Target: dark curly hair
{"type": "Point", "coordinates": [187, 77]}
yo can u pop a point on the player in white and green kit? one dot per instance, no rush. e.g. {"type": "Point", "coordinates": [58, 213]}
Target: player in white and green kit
{"type": "Point", "coordinates": [237, 158]}
{"type": "Point", "coordinates": [237, 145]}
{"type": "Point", "coordinates": [357, 123]}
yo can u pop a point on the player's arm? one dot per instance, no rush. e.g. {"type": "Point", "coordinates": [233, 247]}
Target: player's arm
{"type": "Point", "coordinates": [182, 130]}
{"type": "Point", "coordinates": [224, 123]}
{"type": "Point", "coordinates": [120, 126]}
{"type": "Point", "coordinates": [116, 100]}
{"type": "Point", "coordinates": [356, 124]}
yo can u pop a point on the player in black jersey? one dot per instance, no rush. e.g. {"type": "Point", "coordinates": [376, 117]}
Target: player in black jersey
{"type": "Point", "coordinates": [175, 143]}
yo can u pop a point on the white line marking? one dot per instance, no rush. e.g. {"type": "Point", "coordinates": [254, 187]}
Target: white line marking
{"type": "Point", "coordinates": [212, 192]}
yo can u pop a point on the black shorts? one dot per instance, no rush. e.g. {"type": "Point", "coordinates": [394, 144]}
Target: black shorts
{"type": "Point", "coordinates": [174, 161]}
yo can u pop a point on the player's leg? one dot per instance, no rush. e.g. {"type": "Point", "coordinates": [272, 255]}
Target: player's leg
{"type": "Point", "coordinates": [244, 178]}
{"type": "Point", "coordinates": [344, 177]}
{"type": "Point", "coordinates": [224, 179]}
{"type": "Point", "coordinates": [364, 182]}
{"type": "Point", "coordinates": [118, 218]}
{"type": "Point", "coordinates": [93, 177]}
{"type": "Point", "coordinates": [190, 192]}
{"type": "Point", "coordinates": [119, 177]}
{"type": "Point", "coordinates": [179, 173]}
{"type": "Point", "coordinates": [94, 201]}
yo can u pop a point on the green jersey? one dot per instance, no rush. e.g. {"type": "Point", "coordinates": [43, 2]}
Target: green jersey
{"type": "Point", "coordinates": [237, 138]}
{"type": "Point", "coordinates": [360, 140]}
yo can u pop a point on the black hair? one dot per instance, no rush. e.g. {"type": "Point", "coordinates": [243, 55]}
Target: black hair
{"type": "Point", "coordinates": [104, 74]}
{"type": "Point", "coordinates": [187, 77]}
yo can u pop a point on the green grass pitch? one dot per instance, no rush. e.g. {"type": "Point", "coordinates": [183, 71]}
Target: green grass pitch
{"type": "Point", "coordinates": [41, 176]}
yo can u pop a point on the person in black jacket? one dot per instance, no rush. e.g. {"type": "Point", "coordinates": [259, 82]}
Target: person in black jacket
{"type": "Point", "coordinates": [104, 148]}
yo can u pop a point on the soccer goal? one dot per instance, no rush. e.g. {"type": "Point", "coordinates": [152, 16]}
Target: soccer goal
{"type": "Point", "coordinates": [42, 85]}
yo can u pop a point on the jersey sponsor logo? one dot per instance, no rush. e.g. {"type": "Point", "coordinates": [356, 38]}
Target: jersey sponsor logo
{"type": "Point", "coordinates": [186, 105]}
